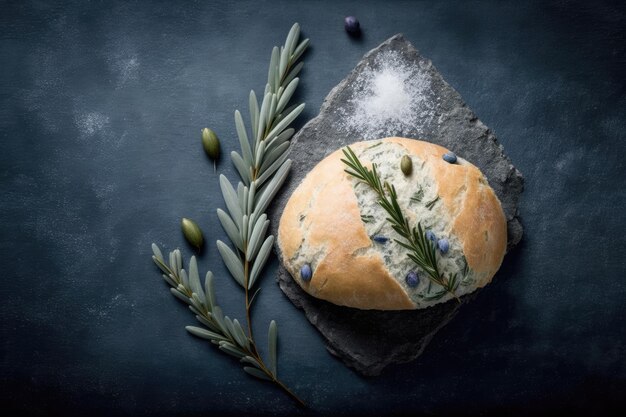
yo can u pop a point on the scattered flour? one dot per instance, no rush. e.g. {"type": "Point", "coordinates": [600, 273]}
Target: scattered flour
{"type": "Point", "coordinates": [89, 124]}
{"type": "Point", "coordinates": [391, 97]}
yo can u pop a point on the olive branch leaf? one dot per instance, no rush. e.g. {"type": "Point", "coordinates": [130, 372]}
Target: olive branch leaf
{"type": "Point", "coordinates": [263, 166]}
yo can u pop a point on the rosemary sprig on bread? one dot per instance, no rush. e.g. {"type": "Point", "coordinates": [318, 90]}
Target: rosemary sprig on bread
{"type": "Point", "coordinates": [420, 248]}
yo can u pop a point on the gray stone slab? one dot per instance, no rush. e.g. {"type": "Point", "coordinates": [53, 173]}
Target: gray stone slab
{"type": "Point", "coordinates": [439, 116]}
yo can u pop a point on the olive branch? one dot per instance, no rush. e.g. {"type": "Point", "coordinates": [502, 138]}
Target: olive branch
{"type": "Point", "coordinates": [263, 167]}
{"type": "Point", "coordinates": [421, 250]}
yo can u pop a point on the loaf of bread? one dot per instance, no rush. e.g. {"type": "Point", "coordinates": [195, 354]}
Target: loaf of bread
{"type": "Point", "coordinates": [336, 241]}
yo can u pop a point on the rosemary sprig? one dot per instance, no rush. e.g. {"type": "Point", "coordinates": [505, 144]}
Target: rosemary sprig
{"type": "Point", "coordinates": [263, 167]}
{"type": "Point", "coordinates": [421, 249]}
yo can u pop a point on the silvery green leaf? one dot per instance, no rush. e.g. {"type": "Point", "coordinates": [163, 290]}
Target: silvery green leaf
{"type": "Point", "coordinates": [272, 110]}
{"type": "Point", "coordinates": [230, 228]}
{"type": "Point", "coordinates": [195, 309]}
{"type": "Point", "coordinates": [269, 191]}
{"type": "Point", "coordinates": [279, 94]}
{"type": "Point", "coordinates": [194, 278]}
{"type": "Point", "coordinates": [231, 349]}
{"type": "Point", "coordinates": [293, 73]}
{"type": "Point", "coordinates": [271, 73]}
{"type": "Point", "coordinates": [257, 235]}
{"type": "Point", "coordinates": [243, 138]}
{"type": "Point", "coordinates": [254, 110]}
{"type": "Point", "coordinates": [251, 361]}
{"type": "Point", "coordinates": [244, 230]}
{"type": "Point", "coordinates": [160, 264]}
{"type": "Point", "coordinates": [232, 262]}
{"type": "Point", "coordinates": [242, 335]}
{"type": "Point", "coordinates": [157, 252]}
{"type": "Point", "coordinates": [268, 89]}
{"type": "Point", "coordinates": [259, 154]}
{"type": "Point", "coordinates": [230, 198]}
{"type": "Point", "coordinates": [218, 318]}
{"type": "Point", "coordinates": [184, 278]}
{"type": "Point", "coordinates": [207, 323]}
{"type": "Point", "coordinates": [241, 166]}
{"type": "Point", "coordinates": [300, 50]}
{"type": "Point", "coordinates": [272, 338]}
{"type": "Point", "coordinates": [203, 333]}
{"type": "Point", "coordinates": [292, 38]}
{"type": "Point", "coordinates": [256, 373]}
{"type": "Point", "coordinates": [277, 74]}
{"type": "Point", "coordinates": [250, 207]}
{"type": "Point", "coordinates": [231, 329]}
{"type": "Point", "coordinates": [244, 202]}
{"type": "Point", "coordinates": [259, 262]}
{"type": "Point", "coordinates": [280, 139]}
{"type": "Point", "coordinates": [168, 280]}
{"type": "Point", "coordinates": [182, 297]}
{"type": "Point", "coordinates": [284, 60]}
{"type": "Point", "coordinates": [173, 262]}
{"type": "Point", "coordinates": [240, 196]}
{"type": "Point", "coordinates": [284, 99]}
{"type": "Point", "coordinates": [267, 99]}
{"type": "Point", "coordinates": [272, 156]}
{"type": "Point", "coordinates": [198, 302]}
{"type": "Point", "coordinates": [210, 292]}
{"type": "Point", "coordinates": [179, 260]}
{"type": "Point", "coordinates": [286, 120]}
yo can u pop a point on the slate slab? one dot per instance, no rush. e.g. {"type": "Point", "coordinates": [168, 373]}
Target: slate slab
{"type": "Point", "coordinates": [439, 116]}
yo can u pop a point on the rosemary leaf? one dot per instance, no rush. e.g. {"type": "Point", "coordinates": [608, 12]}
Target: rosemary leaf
{"type": "Point", "coordinates": [253, 105]}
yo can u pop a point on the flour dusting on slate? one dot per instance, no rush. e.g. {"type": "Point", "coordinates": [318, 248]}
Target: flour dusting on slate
{"type": "Point", "coordinates": [388, 96]}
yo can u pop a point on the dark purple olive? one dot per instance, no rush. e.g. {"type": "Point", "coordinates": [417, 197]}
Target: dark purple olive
{"type": "Point", "coordinates": [412, 279]}
{"type": "Point", "coordinates": [352, 25]}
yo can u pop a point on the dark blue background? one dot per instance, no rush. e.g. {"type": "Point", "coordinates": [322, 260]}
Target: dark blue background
{"type": "Point", "coordinates": [101, 109]}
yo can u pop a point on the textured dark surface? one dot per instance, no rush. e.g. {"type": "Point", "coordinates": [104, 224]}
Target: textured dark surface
{"type": "Point", "coordinates": [101, 106]}
{"type": "Point", "coordinates": [399, 336]}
